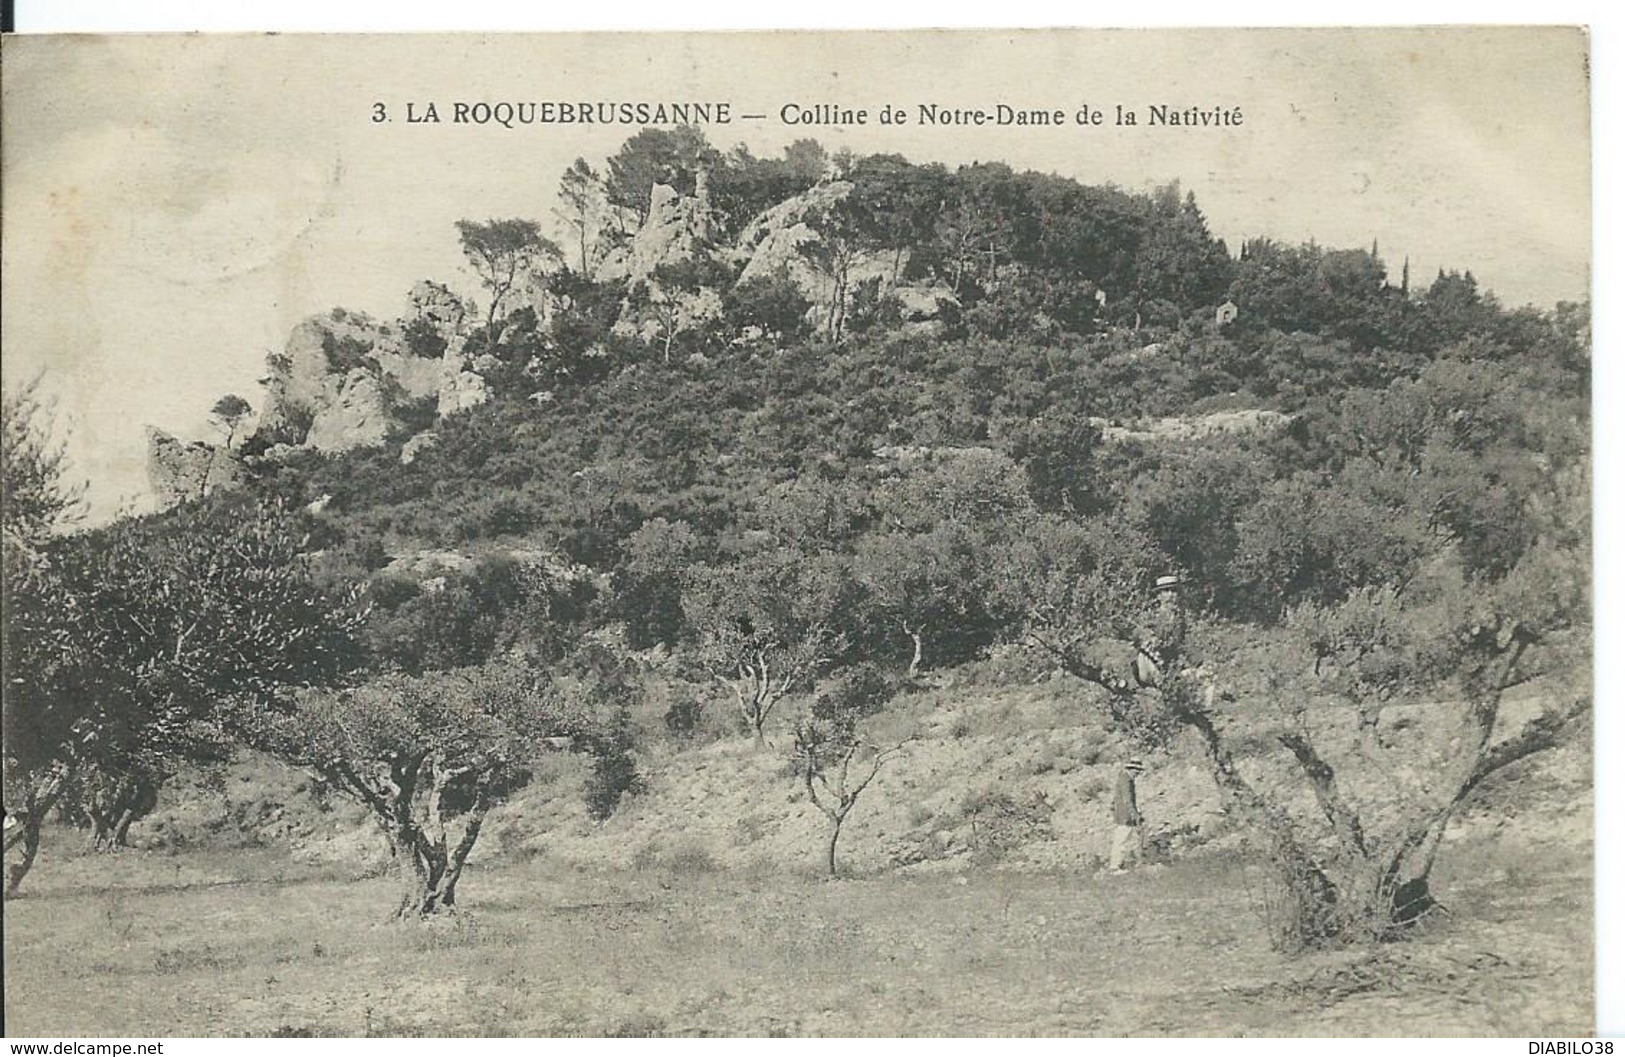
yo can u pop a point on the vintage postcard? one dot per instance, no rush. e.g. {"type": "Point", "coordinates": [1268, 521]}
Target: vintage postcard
{"type": "Point", "coordinates": [954, 533]}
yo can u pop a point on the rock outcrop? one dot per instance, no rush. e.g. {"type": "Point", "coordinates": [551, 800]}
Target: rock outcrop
{"type": "Point", "coordinates": [460, 389]}
{"type": "Point", "coordinates": [305, 399]}
{"type": "Point", "coordinates": [357, 416]}
{"type": "Point", "coordinates": [181, 471]}
{"type": "Point", "coordinates": [436, 305]}
{"type": "Point", "coordinates": [416, 446]}
{"type": "Point", "coordinates": [458, 383]}
{"type": "Point", "coordinates": [779, 237]}
{"type": "Point", "coordinates": [786, 239]}
{"type": "Point", "coordinates": [1259, 421]}
{"type": "Point", "coordinates": [342, 381]}
{"type": "Point", "coordinates": [921, 306]}
{"type": "Point", "coordinates": [342, 376]}
{"type": "Point", "coordinates": [674, 230]}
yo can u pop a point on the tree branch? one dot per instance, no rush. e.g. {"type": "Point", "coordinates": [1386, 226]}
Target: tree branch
{"type": "Point", "coordinates": [1539, 733]}
{"type": "Point", "coordinates": [1345, 822]}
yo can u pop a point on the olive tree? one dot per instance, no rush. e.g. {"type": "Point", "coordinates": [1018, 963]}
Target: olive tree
{"type": "Point", "coordinates": [921, 584]}
{"type": "Point", "coordinates": [125, 643]}
{"type": "Point", "coordinates": [1382, 709]}
{"type": "Point", "coordinates": [428, 755]}
{"type": "Point", "coordinates": [46, 665]}
{"type": "Point", "coordinates": [51, 678]}
{"type": "Point", "coordinates": [764, 625]}
{"type": "Point", "coordinates": [36, 499]}
{"type": "Point", "coordinates": [832, 760]}
{"type": "Point", "coordinates": [923, 566]}
{"type": "Point", "coordinates": [1400, 719]}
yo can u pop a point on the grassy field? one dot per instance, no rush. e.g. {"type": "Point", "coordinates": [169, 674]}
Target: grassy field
{"type": "Point", "coordinates": [207, 943]}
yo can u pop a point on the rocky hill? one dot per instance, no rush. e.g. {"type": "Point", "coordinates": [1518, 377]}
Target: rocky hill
{"type": "Point", "coordinates": [343, 381]}
{"type": "Point", "coordinates": [941, 436]}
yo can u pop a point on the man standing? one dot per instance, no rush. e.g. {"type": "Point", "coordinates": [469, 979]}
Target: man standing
{"type": "Point", "coordinates": [1160, 641]}
{"type": "Point", "coordinates": [1127, 835]}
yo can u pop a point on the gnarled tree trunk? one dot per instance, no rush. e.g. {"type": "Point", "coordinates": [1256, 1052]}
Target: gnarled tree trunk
{"type": "Point", "coordinates": [28, 831]}
{"type": "Point", "coordinates": [758, 688]}
{"type": "Point", "coordinates": [112, 803]}
{"type": "Point", "coordinates": [39, 797]}
{"type": "Point", "coordinates": [1362, 889]}
{"type": "Point", "coordinates": [429, 870]}
{"type": "Point", "coordinates": [1366, 889]}
{"type": "Point", "coordinates": [430, 837]}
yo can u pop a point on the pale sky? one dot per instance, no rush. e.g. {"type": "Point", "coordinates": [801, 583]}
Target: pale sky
{"type": "Point", "coordinates": [174, 205]}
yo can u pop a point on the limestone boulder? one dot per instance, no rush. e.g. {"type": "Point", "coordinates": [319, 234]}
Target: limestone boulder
{"type": "Point", "coordinates": [921, 304]}
{"type": "Point", "coordinates": [779, 237]}
{"type": "Point", "coordinates": [315, 396]}
{"type": "Point", "coordinates": [674, 231]}
{"type": "Point", "coordinates": [415, 377]}
{"type": "Point", "coordinates": [785, 239]}
{"type": "Point", "coordinates": [460, 390]}
{"type": "Point", "coordinates": [357, 417]}
{"type": "Point", "coordinates": [181, 471]}
{"type": "Point", "coordinates": [416, 446]}
{"type": "Point", "coordinates": [435, 304]}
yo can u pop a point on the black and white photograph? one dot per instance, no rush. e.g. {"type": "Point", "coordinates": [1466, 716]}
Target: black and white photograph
{"type": "Point", "coordinates": [997, 533]}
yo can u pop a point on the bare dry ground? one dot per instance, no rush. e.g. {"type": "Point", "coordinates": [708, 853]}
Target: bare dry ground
{"type": "Point", "coordinates": [697, 910]}
{"type": "Point", "coordinates": [249, 943]}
